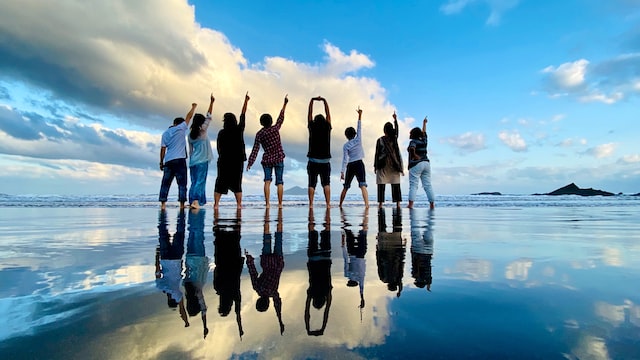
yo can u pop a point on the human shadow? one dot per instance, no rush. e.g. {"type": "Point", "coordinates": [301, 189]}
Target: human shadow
{"type": "Point", "coordinates": [272, 262]}
{"type": "Point", "coordinates": [196, 268]}
{"type": "Point", "coordinates": [390, 251]}
{"type": "Point", "coordinates": [229, 263]}
{"type": "Point", "coordinates": [421, 247]}
{"type": "Point", "coordinates": [169, 262]}
{"type": "Point", "coordinates": [354, 249]}
{"type": "Point", "coordinates": [319, 267]}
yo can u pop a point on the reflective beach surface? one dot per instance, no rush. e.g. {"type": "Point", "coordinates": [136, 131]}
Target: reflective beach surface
{"type": "Point", "coordinates": [494, 282]}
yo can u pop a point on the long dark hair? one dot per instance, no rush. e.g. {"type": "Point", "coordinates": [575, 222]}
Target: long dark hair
{"type": "Point", "coordinates": [229, 121]}
{"type": "Point", "coordinates": [198, 120]}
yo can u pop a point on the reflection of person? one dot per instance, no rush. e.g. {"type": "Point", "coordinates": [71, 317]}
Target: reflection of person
{"type": "Point", "coordinates": [319, 153]}
{"type": "Point", "coordinates": [173, 158]}
{"type": "Point", "coordinates": [390, 251]}
{"type": "Point", "coordinates": [273, 156]}
{"type": "Point", "coordinates": [200, 155]}
{"type": "Point", "coordinates": [419, 165]}
{"type": "Point", "coordinates": [421, 249]}
{"type": "Point", "coordinates": [353, 252]}
{"type": "Point", "coordinates": [196, 268]}
{"type": "Point", "coordinates": [169, 263]}
{"type": "Point", "coordinates": [319, 267]}
{"type": "Point", "coordinates": [231, 156]}
{"type": "Point", "coordinates": [352, 165]}
{"type": "Point", "coordinates": [272, 263]}
{"type": "Point", "coordinates": [388, 163]}
{"type": "Point", "coordinates": [229, 263]}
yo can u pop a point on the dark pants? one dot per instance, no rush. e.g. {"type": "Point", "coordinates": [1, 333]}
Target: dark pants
{"type": "Point", "coordinates": [176, 168]}
{"type": "Point", "coordinates": [395, 193]}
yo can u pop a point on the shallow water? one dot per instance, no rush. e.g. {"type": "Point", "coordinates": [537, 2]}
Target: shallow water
{"type": "Point", "coordinates": [503, 281]}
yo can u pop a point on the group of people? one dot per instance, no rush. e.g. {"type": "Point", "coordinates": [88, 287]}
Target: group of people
{"type": "Point", "coordinates": [388, 162]}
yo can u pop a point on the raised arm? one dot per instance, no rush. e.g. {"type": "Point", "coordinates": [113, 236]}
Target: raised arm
{"type": "Point", "coordinates": [243, 113]}
{"type": "Point", "coordinates": [190, 113]}
{"type": "Point", "coordinates": [254, 153]}
{"type": "Point", "coordinates": [211, 100]}
{"type": "Point", "coordinates": [281, 116]}
{"type": "Point", "coordinates": [310, 114]}
{"type": "Point", "coordinates": [395, 123]}
{"type": "Point", "coordinates": [359, 126]}
{"type": "Point", "coordinates": [326, 110]}
{"type": "Point", "coordinates": [424, 125]}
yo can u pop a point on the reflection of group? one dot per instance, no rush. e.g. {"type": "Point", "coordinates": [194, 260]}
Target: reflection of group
{"type": "Point", "coordinates": [182, 275]}
{"type": "Point", "coordinates": [388, 164]}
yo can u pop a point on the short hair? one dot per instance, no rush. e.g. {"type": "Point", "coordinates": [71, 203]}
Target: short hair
{"type": "Point", "coordinates": [266, 120]}
{"type": "Point", "coordinates": [319, 301]}
{"type": "Point", "coordinates": [262, 304]}
{"type": "Point", "coordinates": [389, 130]}
{"type": "Point", "coordinates": [319, 118]}
{"type": "Point", "coordinates": [350, 132]}
{"type": "Point", "coordinates": [178, 120]}
{"type": "Point", "coordinates": [415, 133]}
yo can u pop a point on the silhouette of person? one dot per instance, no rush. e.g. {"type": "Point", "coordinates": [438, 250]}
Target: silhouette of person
{"type": "Point", "coordinates": [319, 267]}
{"type": "Point", "coordinates": [169, 262]}
{"type": "Point", "coordinates": [272, 262]}
{"type": "Point", "coordinates": [353, 252]}
{"type": "Point", "coordinates": [196, 268]}
{"type": "Point", "coordinates": [421, 248]}
{"type": "Point", "coordinates": [229, 264]}
{"type": "Point", "coordinates": [390, 251]}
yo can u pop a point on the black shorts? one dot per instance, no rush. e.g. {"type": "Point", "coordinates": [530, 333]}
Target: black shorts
{"type": "Point", "coordinates": [356, 169]}
{"type": "Point", "coordinates": [315, 169]}
{"type": "Point", "coordinates": [229, 177]}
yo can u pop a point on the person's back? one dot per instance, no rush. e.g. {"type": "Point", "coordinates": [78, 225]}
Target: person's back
{"type": "Point", "coordinates": [174, 139]}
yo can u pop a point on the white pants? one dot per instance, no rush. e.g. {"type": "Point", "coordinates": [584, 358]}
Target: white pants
{"type": "Point", "coordinates": [420, 172]}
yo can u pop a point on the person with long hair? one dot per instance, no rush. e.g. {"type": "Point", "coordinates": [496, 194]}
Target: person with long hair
{"type": "Point", "coordinates": [419, 164]}
{"type": "Point", "coordinates": [231, 156]}
{"type": "Point", "coordinates": [388, 162]}
{"type": "Point", "coordinates": [273, 156]}
{"type": "Point", "coordinates": [200, 155]}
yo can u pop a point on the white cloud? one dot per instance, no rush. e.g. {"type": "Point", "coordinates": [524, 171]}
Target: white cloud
{"type": "Point", "coordinates": [602, 151]}
{"type": "Point", "coordinates": [513, 140]}
{"type": "Point", "coordinates": [569, 75]}
{"type": "Point", "coordinates": [497, 8]}
{"type": "Point", "coordinates": [630, 159]}
{"type": "Point", "coordinates": [468, 141]}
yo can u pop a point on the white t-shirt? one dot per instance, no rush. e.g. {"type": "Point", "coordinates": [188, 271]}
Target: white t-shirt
{"type": "Point", "coordinates": [174, 139]}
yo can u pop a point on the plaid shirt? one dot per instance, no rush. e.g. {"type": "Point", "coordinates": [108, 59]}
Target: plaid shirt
{"type": "Point", "coordinates": [269, 138]}
{"type": "Point", "coordinates": [267, 283]}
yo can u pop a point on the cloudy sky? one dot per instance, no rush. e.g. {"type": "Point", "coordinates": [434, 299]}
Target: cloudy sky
{"type": "Point", "coordinates": [522, 96]}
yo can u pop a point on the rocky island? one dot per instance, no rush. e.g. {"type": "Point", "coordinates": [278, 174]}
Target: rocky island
{"type": "Point", "coordinates": [573, 189]}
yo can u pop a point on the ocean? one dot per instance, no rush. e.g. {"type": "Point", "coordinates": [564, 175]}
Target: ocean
{"type": "Point", "coordinates": [479, 277]}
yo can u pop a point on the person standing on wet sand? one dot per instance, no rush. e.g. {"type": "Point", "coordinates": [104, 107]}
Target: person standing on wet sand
{"type": "Point", "coordinates": [319, 153]}
{"type": "Point", "coordinates": [388, 162]}
{"type": "Point", "coordinates": [273, 156]}
{"type": "Point", "coordinates": [419, 164]}
{"type": "Point", "coordinates": [231, 156]}
{"type": "Point", "coordinates": [200, 155]}
{"type": "Point", "coordinates": [173, 158]}
{"type": "Point", "coordinates": [352, 155]}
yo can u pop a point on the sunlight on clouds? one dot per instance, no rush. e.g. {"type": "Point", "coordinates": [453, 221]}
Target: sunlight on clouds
{"type": "Point", "coordinates": [518, 270]}
{"type": "Point", "coordinates": [513, 140]}
{"type": "Point", "coordinates": [471, 269]}
{"type": "Point", "coordinates": [630, 159]}
{"type": "Point", "coordinates": [497, 8]}
{"type": "Point", "coordinates": [569, 75]}
{"type": "Point", "coordinates": [603, 98]}
{"type": "Point", "coordinates": [468, 141]}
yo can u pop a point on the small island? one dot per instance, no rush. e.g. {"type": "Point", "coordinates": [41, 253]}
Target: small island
{"type": "Point", "coordinates": [573, 189]}
{"type": "Point", "coordinates": [296, 190]}
{"type": "Point", "coordinates": [488, 193]}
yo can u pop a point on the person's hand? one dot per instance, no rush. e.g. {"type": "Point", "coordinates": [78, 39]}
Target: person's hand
{"type": "Point", "coordinates": [359, 111]}
{"type": "Point", "coordinates": [248, 167]}
{"type": "Point", "coordinates": [341, 176]}
{"type": "Point", "coordinates": [425, 120]}
{"type": "Point", "coordinates": [161, 166]}
{"type": "Point", "coordinates": [286, 99]}
{"type": "Point", "coordinates": [246, 96]}
{"type": "Point", "coordinates": [194, 105]}
{"type": "Point", "coordinates": [212, 98]}
{"type": "Point", "coordinates": [395, 117]}
{"type": "Point", "coordinates": [281, 329]}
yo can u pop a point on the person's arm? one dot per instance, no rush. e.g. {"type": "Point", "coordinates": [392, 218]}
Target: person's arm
{"type": "Point", "coordinates": [359, 126]}
{"type": "Point", "coordinates": [190, 113]}
{"type": "Point", "coordinates": [277, 303]}
{"type": "Point", "coordinates": [254, 153]}
{"type": "Point", "coordinates": [307, 314]}
{"type": "Point", "coordinates": [281, 116]}
{"type": "Point", "coordinates": [326, 110]}
{"type": "Point", "coordinates": [325, 319]}
{"type": "Point", "coordinates": [205, 331]}
{"type": "Point", "coordinates": [310, 113]}
{"type": "Point", "coordinates": [242, 122]}
{"type": "Point", "coordinates": [253, 273]}
{"type": "Point", "coordinates": [412, 151]}
{"type": "Point", "coordinates": [424, 126]}
{"type": "Point", "coordinates": [395, 123]}
{"type": "Point", "coordinates": [158, 268]}
{"type": "Point", "coordinates": [163, 151]}
{"type": "Point", "coordinates": [345, 157]}
{"type": "Point", "coordinates": [183, 313]}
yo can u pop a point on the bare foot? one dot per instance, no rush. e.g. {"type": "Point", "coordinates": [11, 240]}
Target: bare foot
{"type": "Point", "coordinates": [432, 205]}
{"type": "Point", "coordinates": [163, 205]}
{"type": "Point", "coordinates": [280, 206]}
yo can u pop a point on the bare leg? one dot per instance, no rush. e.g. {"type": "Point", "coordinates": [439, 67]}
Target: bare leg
{"type": "Point", "coordinates": [280, 194]}
{"type": "Point", "coordinates": [312, 193]}
{"type": "Point", "coordinates": [365, 196]}
{"type": "Point", "coordinates": [343, 194]}
{"type": "Point", "coordinates": [181, 204]}
{"type": "Point", "coordinates": [216, 200]}
{"type": "Point", "coordinates": [267, 192]}
{"type": "Point", "coordinates": [238, 199]}
{"type": "Point", "coordinates": [163, 205]}
{"type": "Point", "coordinates": [327, 195]}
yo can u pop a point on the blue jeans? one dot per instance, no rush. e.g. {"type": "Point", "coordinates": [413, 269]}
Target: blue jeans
{"type": "Point", "coordinates": [198, 183]}
{"type": "Point", "coordinates": [279, 169]}
{"type": "Point", "coordinates": [176, 168]}
{"type": "Point", "coordinates": [420, 172]}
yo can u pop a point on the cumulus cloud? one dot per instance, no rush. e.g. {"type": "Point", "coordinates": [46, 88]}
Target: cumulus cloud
{"type": "Point", "coordinates": [602, 151]}
{"type": "Point", "coordinates": [468, 142]}
{"type": "Point", "coordinates": [630, 159]}
{"type": "Point", "coordinates": [513, 140]}
{"type": "Point", "coordinates": [497, 8]}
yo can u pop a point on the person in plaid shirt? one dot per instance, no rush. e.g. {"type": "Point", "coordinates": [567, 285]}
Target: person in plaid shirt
{"type": "Point", "coordinates": [273, 156]}
{"type": "Point", "coordinates": [272, 263]}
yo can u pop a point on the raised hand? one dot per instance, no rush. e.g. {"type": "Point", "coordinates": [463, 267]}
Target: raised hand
{"type": "Point", "coordinates": [286, 99]}
{"type": "Point", "coordinates": [395, 117]}
{"type": "Point", "coordinates": [246, 96]}
{"type": "Point", "coordinates": [212, 98]}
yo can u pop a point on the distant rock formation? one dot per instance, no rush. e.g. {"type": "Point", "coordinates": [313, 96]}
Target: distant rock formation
{"type": "Point", "coordinates": [573, 189]}
{"type": "Point", "coordinates": [488, 193]}
{"type": "Point", "coordinates": [296, 190]}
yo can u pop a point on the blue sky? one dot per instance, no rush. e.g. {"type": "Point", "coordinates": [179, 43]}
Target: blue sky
{"type": "Point", "coordinates": [523, 96]}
